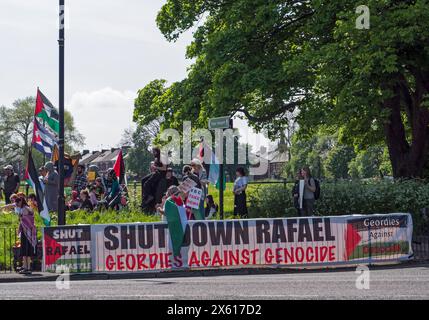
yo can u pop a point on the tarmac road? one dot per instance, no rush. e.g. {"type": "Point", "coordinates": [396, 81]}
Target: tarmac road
{"type": "Point", "coordinates": [389, 283]}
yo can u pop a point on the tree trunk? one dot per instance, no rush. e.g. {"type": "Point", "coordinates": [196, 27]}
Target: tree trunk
{"type": "Point", "coordinates": [407, 159]}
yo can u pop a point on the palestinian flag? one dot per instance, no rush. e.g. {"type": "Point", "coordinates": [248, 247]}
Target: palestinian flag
{"type": "Point", "coordinates": [32, 178]}
{"type": "Point", "coordinates": [47, 112]}
{"type": "Point", "coordinates": [119, 168]}
{"type": "Point", "coordinates": [177, 221]}
{"type": "Point", "coordinates": [213, 166]}
{"type": "Point", "coordinates": [43, 140]}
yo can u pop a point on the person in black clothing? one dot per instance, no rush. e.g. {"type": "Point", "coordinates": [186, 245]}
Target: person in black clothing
{"type": "Point", "coordinates": [86, 203]}
{"type": "Point", "coordinates": [187, 173]}
{"type": "Point", "coordinates": [295, 192]}
{"type": "Point", "coordinates": [11, 183]}
{"type": "Point", "coordinates": [171, 179]}
{"type": "Point", "coordinates": [240, 201]}
{"type": "Point", "coordinates": [160, 169]}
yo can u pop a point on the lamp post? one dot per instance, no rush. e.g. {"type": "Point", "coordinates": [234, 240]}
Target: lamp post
{"type": "Point", "coordinates": [61, 41]}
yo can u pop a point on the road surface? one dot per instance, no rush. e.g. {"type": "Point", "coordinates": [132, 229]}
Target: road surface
{"type": "Point", "coordinates": [389, 283]}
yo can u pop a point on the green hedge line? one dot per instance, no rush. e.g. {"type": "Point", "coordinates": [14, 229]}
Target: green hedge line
{"type": "Point", "coordinates": [354, 197]}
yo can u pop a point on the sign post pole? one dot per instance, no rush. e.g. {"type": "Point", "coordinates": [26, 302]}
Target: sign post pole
{"type": "Point", "coordinates": [61, 40]}
{"type": "Point", "coordinates": [221, 123]}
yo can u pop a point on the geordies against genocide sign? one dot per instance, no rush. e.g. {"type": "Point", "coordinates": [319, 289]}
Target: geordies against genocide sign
{"type": "Point", "coordinates": [259, 242]}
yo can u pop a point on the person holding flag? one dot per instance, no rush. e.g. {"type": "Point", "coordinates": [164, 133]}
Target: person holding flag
{"type": "Point", "coordinates": [32, 178]}
{"type": "Point", "coordinates": [28, 234]}
{"type": "Point", "coordinates": [51, 186]}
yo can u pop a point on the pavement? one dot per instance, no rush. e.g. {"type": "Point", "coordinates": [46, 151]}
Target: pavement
{"type": "Point", "coordinates": [405, 281]}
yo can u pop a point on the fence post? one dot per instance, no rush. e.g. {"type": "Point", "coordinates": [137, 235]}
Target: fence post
{"type": "Point", "coordinates": [135, 193]}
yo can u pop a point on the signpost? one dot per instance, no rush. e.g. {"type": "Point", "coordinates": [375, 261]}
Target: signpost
{"type": "Point", "coordinates": [61, 204]}
{"type": "Point", "coordinates": [221, 123]}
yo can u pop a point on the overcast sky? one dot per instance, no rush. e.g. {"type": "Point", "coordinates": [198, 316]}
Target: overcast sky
{"type": "Point", "coordinates": [113, 48]}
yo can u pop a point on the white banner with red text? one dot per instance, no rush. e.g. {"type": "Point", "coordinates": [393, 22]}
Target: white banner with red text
{"type": "Point", "coordinates": [295, 242]}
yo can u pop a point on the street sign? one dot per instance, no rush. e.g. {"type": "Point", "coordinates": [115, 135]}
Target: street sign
{"type": "Point", "coordinates": [219, 123]}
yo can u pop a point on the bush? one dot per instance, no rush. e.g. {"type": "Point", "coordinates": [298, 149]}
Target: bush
{"type": "Point", "coordinates": [348, 197]}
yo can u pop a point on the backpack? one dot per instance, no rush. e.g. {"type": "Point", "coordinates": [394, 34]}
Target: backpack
{"type": "Point", "coordinates": [317, 192]}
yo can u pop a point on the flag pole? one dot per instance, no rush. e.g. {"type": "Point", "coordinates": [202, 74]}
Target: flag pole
{"type": "Point", "coordinates": [61, 41]}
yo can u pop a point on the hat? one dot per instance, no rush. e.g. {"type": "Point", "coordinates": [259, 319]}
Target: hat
{"type": "Point", "coordinates": [8, 167]}
{"type": "Point", "coordinates": [196, 162]}
{"type": "Point", "coordinates": [49, 166]}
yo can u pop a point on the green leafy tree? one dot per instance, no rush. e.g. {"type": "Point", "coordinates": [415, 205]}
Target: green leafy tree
{"type": "Point", "coordinates": [311, 152]}
{"type": "Point", "coordinates": [370, 163]}
{"type": "Point", "coordinates": [263, 59]}
{"type": "Point", "coordinates": [16, 131]}
{"type": "Point", "coordinates": [138, 156]}
{"type": "Point", "coordinates": [337, 162]}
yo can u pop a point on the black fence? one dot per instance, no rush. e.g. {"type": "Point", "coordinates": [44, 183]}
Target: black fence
{"type": "Point", "coordinates": [10, 246]}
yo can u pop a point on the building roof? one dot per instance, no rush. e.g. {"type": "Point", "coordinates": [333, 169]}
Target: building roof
{"type": "Point", "coordinates": [277, 157]}
{"type": "Point", "coordinates": [89, 157]}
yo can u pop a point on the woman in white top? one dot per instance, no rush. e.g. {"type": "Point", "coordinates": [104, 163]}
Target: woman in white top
{"type": "Point", "coordinates": [240, 185]}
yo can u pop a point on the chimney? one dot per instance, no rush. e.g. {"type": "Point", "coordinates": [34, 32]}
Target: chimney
{"type": "Point", "coordinates": [84, 152]}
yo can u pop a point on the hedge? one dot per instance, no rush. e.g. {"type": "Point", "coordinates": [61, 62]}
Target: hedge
{"type": "Point", "coordinates": [349, 197]}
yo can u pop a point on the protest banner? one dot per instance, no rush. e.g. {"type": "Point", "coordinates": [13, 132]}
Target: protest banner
{"type": "Point", "coordinates": [298, 242]}
{"type": "Point", "coordinates": [67, 246]}
{"type": "Point", "coordinates": [301, 192]}
{"type": "Point", "coordinates": [187, 185]}
{"type": "Point", "coordinates": [194, 198]}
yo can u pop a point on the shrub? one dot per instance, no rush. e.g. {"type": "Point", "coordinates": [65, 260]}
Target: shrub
{"type": "Point", "coordinates": [348, 197]}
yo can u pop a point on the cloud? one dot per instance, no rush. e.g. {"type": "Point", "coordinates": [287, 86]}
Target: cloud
{"type": "Point", "coordinates": [102, 115]}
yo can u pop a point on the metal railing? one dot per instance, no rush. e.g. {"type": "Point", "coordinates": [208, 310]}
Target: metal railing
{"type": "Point", "coordinates": [10, 259]}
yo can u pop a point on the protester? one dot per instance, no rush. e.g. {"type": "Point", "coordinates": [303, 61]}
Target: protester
{"type": "Point", "coordinates": [12, 205]}
{"type": "Point", "coordinates": [93, 196]}
{"type": "Point", "coordinates": [309, 190]}
{"type": "Point", "coordinates": [149, 187]}
{"type": "Point", "coordinates": [145, 178]}
{"type": "Point", "coordinates": [27, 232]}
{"type": "Point", "coordinates": [80, 181]}
{"type": "Point", "coordinates": [42, 174]}
{"type": "Point", "coordinates": [295, 192]}
{"type": "Point", "coordinates": [74, 202]}
{"type": "Point", "coordinates": [85, 201]}
{"type": "Point", "coordinates": [211, 207]}
{"type": "Point", "coordinates": [99, 188]}
{"type": "Point", "coordinates": [200, 172]}
{"type": "Point", "coordinates": [240, 185]}
{"type": "Point", "coordinates": [171, 179]}
{"type": "Point", "coordinates": [187, 173]}
{"type": "Point", "coordinates": [11, 183]}
{"type": "Point", "coordinates": [51, 182]}
{"type": "Point", "coordinates": [113, 197]}
{"type": "Point", "coordinates": [173, 193]}
{"type": "Point", "coordinates": [32, 202]}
